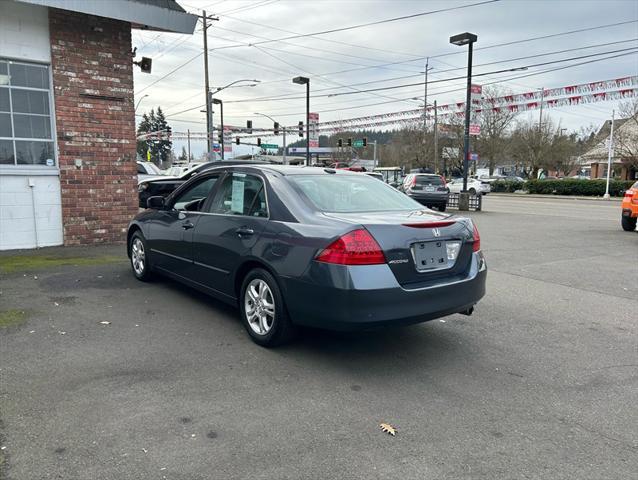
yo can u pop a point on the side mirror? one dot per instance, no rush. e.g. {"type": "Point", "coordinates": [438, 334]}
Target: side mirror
{"type": "Point", "coordinates": [156, 202]}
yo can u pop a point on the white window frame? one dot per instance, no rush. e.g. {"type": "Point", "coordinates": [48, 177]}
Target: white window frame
{"type": "Point", "coordinates": [32, 169]}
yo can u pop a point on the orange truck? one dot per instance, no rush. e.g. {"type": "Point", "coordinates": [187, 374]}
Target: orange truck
{"type": "Point", "coordinates": [630, 209]}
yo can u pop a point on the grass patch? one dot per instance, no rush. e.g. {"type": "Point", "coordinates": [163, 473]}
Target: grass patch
{"type": "Point", "coordinates": [20, 263]}
{"type": "Point", "coordinates": [12, 318]}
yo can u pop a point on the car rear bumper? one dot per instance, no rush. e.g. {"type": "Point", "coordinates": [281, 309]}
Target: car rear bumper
{"type": "Point", "coordinates": [363, 297]}
{"type": "Point", "coordinates": [429, 198]}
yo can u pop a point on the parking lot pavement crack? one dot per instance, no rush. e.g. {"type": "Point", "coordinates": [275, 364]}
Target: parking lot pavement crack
{"type": "Point", "coordinates": [588, 290]}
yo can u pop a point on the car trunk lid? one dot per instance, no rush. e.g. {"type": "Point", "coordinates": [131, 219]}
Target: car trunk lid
{"type": "Point", "coordinates": [416, 244]}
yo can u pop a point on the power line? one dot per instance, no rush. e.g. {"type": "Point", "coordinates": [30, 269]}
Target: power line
{"type": "Point", "coordinates": [515, 77]}
{"type": "Point", "coordinates": [393, 87]}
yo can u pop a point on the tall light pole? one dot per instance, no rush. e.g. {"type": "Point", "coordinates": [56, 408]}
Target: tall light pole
{"type": "Point", "coordinates": [461, 40]}
{"type": "Point", "coordinates": [217, 101]}
{"type": "Point", "coordinates": [610, 153]}
{"type": "Point", "coordinates": [283, 129]}
{"type": "Point", "coordinates": [306, 81]}
{"type": "Point", "coordinates": [140, 101]}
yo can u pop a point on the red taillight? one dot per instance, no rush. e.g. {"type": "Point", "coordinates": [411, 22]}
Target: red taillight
{"type": "Point", "coordinates": [413, 182]}
{"type": "Point", "coordinates": [476, 246]}
{"type": "Point", "coordinates": [354, 248]}
{"type": "Point", "coordinates": [629, 194]}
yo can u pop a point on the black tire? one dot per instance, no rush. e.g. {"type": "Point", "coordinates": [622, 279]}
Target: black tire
{"type": "Point", "coordinates": [628, 223]}
{"type": "Point", "coordinates": [442, 208]}
{"type": "Point", "coordinates": [472, 191]}
{"type": "Point", "coordinates": [141, 270]}
{"type": "Point", "coordinates": [280, 329]}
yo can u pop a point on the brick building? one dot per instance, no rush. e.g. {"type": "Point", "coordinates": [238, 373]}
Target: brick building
{"type": "Point", "coordinates": [67, 121]}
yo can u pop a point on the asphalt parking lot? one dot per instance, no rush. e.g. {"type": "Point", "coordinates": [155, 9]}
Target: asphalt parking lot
{"type": "Point", "coordinates": [541, 382]}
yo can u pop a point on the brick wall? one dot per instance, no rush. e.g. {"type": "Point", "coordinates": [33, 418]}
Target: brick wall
{"type": "Point", "coordinates": [95, 123]}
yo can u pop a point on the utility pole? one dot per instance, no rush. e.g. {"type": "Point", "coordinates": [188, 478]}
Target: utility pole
{"type": "Point", "coordinates": [209, 113]}
{"type": "Point", "coordinates": [374, 155]}
{"type": "Point", "coordinates": [425, 95]}
{"type": "Point", "coordinates": [188, 134]}
{"type": "Point", "coordinates": [540, 117]}
{"type": "Point", "coordinates": [436, 138]}
{"type": "Point", "coordinates": [610, 154]}
{"type": "Point", "coordinates": [284, 157]}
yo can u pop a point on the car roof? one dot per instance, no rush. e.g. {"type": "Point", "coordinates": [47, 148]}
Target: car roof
{"type": "Point", "coordinates": [288, 169]}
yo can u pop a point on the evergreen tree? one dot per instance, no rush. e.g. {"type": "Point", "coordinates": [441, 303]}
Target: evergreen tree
{"type": "Point", "coordinates": [159, 147]}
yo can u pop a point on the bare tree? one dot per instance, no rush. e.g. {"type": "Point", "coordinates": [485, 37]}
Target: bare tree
{"type": "Point", "coordinates": [492, 143]}
{"type": "Point", "coordinates": [626, 137]}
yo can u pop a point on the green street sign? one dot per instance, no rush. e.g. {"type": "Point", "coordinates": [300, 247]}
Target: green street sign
{"type": "Point", "coordinates": [357, 143]}
{"type": "Point", "coordinates": [270, 146]}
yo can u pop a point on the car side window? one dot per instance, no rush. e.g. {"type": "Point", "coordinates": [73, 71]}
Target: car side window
{"type": "Point", "coordinates": [140, 168]}
{"type": "Point", "coordinates": [189, 198]}
{"type": "Point", "coordinates": [241, 194]}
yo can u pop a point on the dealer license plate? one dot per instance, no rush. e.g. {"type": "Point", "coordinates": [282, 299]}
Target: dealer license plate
{"type": "Point", "coordinates": [430, 255]}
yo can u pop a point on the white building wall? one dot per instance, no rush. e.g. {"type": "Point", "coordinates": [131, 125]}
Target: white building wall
{"type": "Point", "coordinates": [30, 202]}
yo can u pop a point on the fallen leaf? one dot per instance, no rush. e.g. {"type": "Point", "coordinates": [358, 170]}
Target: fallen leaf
{"type": "Point", "coordinates": [56, 304]}
{"type": "Point", "coordinates": [144, 450]}
{"type": "Point", "coordinates": [61, 332]}
{"type": "Point", "coordinates": [387, 428]}
{"type": "Point", "coordinates": [442, 321]}
{"type": "Point", "coordinates": [104, 322]}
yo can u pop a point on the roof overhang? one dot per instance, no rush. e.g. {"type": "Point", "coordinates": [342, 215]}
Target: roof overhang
{"type": "Point", "coordinates": [140, 14]}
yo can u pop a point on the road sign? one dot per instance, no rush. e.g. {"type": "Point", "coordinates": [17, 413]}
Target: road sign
{"type": "Point", "coordinates": [476, 92]}
{"type": "Point", "coordinates": [270, 146]}
{"type": "Point", "coordinates": [357, 143]}
{"type": "Point", "coordinates": [474, 156]}
{"type": "Point", "coordinates": [314, 131]}
{"type": "Point", "coordinates": [475, 129]}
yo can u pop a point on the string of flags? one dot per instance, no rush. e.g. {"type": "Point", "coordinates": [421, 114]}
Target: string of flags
{"type": "Point", "coordinates": [591, 92]}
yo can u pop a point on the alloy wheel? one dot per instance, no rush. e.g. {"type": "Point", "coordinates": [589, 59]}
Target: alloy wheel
{"type": "Point", "coordinates": [259, 305]}
{"type": "Point", "coordinates": [138, 257]}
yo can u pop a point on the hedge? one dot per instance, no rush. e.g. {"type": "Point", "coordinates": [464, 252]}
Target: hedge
{"type": "Point", "coordinates": [572, 186]}
{"type": "Point", "coordinates": [508, 186]}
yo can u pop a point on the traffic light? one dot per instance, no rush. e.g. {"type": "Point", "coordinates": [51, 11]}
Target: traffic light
{"type": "Point", "coordinates": [339, 143]}
{"type": "Point", "coordinates": [249, 126]}
{"type": "Point", "coordinates": [365, 141]}
{"type": "Point", "coordinates": [301, 129]}
{"type": "Point", "coordinates": [276, 128]}
{"type": "Point", "coordinates": [259, 142]}
{"type": "Point", "coordinates": [349, 142]}
{"type": "Point", "coordinates": [237, 140]}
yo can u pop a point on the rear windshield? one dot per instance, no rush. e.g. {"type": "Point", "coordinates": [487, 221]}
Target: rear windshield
{"type": "Point", "coordinates": [351, 194]}
{"type": "Point", "coordinates": [428, 180]}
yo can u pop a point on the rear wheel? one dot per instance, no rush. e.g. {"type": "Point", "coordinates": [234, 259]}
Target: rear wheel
{"type": "Point", "coordinates": [263, 311]}
{"type": "Point", "coordinates": [139, 257]}
{"type": "Point", "coordinates": [472, 191]}
{"type": "Point", "coordinates": [442, 208]}
{"type": "Point", "coordinates": [629, 223]}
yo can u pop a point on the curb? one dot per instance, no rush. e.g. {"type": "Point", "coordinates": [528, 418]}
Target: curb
{"type": "Point", "coordinates": [560, 197]}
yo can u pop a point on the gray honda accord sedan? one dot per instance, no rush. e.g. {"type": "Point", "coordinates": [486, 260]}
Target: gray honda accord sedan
{"type": "Point", "coordinates": [309, 246]}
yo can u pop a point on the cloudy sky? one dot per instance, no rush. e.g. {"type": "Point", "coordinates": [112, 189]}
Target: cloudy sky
{"type": "Point", "coordinates": [386, 54]}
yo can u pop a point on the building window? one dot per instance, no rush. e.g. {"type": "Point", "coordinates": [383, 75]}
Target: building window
{"type": "Point", "coordinates": [26, 133]}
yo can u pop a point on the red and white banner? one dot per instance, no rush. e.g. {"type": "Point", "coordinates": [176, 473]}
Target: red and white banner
{"type": "Point", "coordinates": [314, 129]}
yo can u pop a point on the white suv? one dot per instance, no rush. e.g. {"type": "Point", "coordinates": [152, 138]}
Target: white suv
{"type": "Point", "coordinates": [474, 186]}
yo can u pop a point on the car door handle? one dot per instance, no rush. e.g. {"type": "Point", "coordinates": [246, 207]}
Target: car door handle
{"type": "Point", "coordinates": [187, 225]}
{"type": "Point", "coordinates": [244, 231]}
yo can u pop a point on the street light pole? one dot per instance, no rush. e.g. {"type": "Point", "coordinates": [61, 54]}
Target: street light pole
{"type": "Point", "coordinates": [283, 129]}
{"type": "Point", "coordinates": [466, 39]}
{"type": "Point", "coordinates": [217, 101]}
{"type": "Point", "coordinates": [140, 101]}
{"type": "Point", "coordinates": [306, 81]}
{"type": "Point", "coordinates": [206, 84]}
{"type": "Point", "coordinates": [610, 154]}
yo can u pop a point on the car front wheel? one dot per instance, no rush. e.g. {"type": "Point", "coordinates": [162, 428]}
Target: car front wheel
{"type": "Point", "coordinates": [139, 257]}
{"type": "Point", "coordinates": [629, 223]}
{"type": "Point", "coordinates": [263, 311]}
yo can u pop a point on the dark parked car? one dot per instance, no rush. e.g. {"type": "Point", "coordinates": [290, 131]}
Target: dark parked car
{"type": "Point", "coordinates": [309, 246]}
{"type": "Point", "coordinates": [164, 185]}
{"type": "Point", "coordinates": [427, 188]}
